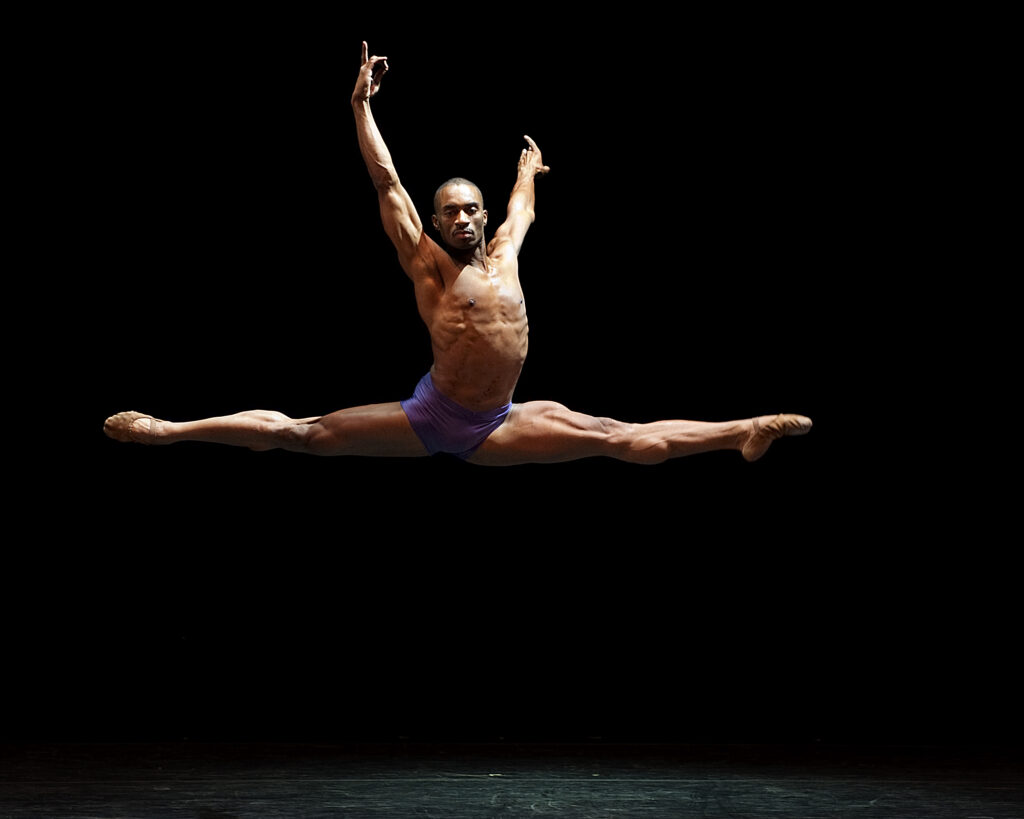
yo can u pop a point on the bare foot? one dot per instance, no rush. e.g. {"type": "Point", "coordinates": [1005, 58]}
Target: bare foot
{"type": "Point", "coordinates": [131, 427]}
{"type": "Point", "coordinates": [768, 429]}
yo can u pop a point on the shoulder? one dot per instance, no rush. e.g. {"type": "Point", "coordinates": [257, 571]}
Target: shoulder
{"type": "Point", "coordinates": [502, 247]}
{"type": "Point", "coordinates": [425, 260]}
{"type": "Point", "coordinates": [426, 268]}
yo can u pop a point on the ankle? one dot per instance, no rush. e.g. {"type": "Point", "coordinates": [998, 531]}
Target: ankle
{"type": "Point", "coordinates": [742, 432]}
{"type": "Point", "coordinates": [154, 431]}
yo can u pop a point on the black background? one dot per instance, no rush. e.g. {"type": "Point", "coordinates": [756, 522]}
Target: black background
{"type": "Point", "coordinates": [712, 242]}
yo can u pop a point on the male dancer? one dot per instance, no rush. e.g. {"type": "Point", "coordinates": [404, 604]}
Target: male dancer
{"type": "Point", "coordinates": [468, 293]}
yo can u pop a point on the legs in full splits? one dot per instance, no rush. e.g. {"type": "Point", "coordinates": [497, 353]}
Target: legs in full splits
{"type": "Point", "coordinates": [547, 432]}
{"type": "Point", "coordinates": [535, 432]}
{"type": "Point", "coordinates": [376, 429]}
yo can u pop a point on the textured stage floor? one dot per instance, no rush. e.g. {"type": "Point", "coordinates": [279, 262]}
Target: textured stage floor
{"type": "Point", "coordinates": [477, 781]}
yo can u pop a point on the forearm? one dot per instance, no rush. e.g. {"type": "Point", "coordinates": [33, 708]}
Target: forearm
{"type": "Point", "coordinates": [522, 200]}
{"type": "Point", "coordinates": [371, 146]}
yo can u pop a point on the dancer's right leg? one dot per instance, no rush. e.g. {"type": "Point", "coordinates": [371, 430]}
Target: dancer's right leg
{"type": "Point", "coordinates": [255, 429]}
{"type": "Point", "coordinates": [376, 429]}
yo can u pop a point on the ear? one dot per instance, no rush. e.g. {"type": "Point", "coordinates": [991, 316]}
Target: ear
{"type": "Point", "coordinates": [485, 218]}
{"type": "Point", "coordinates": [433, 220]}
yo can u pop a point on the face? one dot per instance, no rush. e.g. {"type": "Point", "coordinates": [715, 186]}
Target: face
{"type": "Point", "coordinates": [460, 217]}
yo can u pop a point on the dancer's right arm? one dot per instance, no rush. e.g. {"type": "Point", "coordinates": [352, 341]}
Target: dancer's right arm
{"type": "Point", "coordinates": [401, 221]}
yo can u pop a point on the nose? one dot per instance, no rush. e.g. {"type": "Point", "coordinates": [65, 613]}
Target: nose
{"type": "Point", "coordinates": [462, 218]}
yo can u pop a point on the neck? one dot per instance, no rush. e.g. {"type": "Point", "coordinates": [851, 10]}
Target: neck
{"type": "Point", "coordinates": [476, 255]}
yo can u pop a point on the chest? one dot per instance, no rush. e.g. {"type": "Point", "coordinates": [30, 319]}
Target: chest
{"type": "Point", "coordinates": [493, 292]}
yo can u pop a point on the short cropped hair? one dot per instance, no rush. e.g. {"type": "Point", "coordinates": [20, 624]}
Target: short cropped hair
{"type": "Point", "coordinates": [455, 180]}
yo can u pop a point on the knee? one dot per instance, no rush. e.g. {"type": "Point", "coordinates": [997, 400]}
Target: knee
{"type": "Point", "coordinates": [282, 432]}
{"type": "Point", "coordinates": [292, 436]}
{"type": "Point", "coordinates": [330, 435]}
{"type": "Point", "coordinates": [629, 442]}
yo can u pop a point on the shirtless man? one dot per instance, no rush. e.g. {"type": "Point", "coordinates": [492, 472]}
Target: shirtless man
{"type": "Point", "coordinates": [468, 294]}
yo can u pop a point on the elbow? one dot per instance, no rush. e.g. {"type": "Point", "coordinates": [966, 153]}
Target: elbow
{"type": "Point", "coordinates": [524, 212]}
{"type": "Point", "coordinates": [384, 179]}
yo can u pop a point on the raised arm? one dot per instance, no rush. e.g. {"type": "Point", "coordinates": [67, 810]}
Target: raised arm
{"type": "Point", "coordinates": [520, 213]}
{"type": "Point", "coordinates": [398, 214]}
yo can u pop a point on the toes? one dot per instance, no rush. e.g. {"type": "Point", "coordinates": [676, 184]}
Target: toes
{"type": "Point", "coordinates": [122, 427]}
{"type": "Point", "coordinates": [779, 426]}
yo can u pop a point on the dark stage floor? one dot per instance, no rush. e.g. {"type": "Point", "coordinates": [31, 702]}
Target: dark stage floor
{"type": "Point", "coordinates": [489, 780]}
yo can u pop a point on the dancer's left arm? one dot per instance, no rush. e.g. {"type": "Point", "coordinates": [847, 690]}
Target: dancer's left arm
{"type": "Point", "coordinates": [520, 213]}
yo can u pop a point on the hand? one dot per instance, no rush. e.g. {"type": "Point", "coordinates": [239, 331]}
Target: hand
{"type": "Point", "coordinates": [530, 159]}
{"type": "Point", "coordinates": [371, 72]}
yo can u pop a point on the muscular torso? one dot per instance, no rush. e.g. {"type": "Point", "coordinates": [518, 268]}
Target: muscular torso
{"type": "Point", "coordinates": [476, 315]}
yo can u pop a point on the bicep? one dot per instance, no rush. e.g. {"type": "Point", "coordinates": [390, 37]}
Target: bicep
{"type": "Point", "coordinates": [514, 228]}
{"type": "Point", "coordinates": [401, 221]}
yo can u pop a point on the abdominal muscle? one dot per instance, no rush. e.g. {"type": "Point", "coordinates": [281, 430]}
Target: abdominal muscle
{"type": "Point", "coordinates": [480, 337]}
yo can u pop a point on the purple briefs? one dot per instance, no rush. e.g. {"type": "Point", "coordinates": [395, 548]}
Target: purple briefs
{"type": "Point", "coordinates": [444, 426]}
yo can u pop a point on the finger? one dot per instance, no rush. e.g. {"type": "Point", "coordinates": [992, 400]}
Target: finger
{"type": "Point", "coordinates": [365, 51]}
{"type": "Point", "coordinates": [532, 143]}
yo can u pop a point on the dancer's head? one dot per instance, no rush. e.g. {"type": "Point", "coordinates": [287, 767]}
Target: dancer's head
{"type": "Point", "coordinates": [459, 214]}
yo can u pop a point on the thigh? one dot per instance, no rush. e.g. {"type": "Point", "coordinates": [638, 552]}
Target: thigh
{"type": "Point", "coordinates": [546, 432]}
{"type": "Point", "coordinates": [375, 429]}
